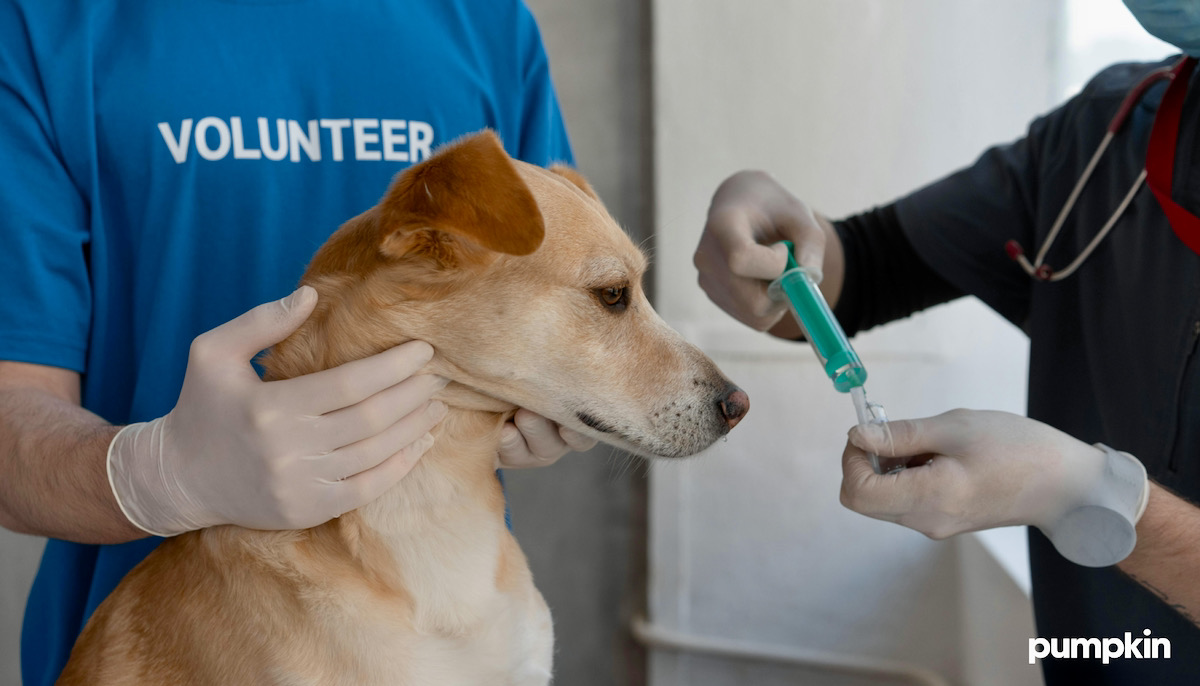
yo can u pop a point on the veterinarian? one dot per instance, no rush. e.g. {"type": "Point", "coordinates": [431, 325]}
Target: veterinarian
{"type": "Point", "coordinates": [1114, 365]}
{"type": "Point", "coordinates": [167, 167]}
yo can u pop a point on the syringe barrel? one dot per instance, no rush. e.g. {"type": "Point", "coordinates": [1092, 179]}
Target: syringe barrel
{"type": "Point", "coordinates": [806, 302]}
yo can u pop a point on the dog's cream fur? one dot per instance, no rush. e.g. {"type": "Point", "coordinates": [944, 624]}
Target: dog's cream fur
{"type": "Point", "coordinates": [512, 273]}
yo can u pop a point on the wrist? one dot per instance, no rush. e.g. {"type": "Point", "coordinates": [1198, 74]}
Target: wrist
{"type": "Point", "coordinates": [1129, 484]}
{"type": "Point", "coordinates": [1104, 495]}
{"type": "Point", "coordinates": [144, 490]}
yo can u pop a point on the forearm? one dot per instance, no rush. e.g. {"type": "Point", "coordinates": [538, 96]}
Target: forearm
{"type": "Point", "coordinates": [53, 479]}
{"type": "Point", "coordinates": [833, 276]}
{"type": "Point", "coordinates": [1167, 557]}
{"type": "Point", "coordinates": [884, 278]}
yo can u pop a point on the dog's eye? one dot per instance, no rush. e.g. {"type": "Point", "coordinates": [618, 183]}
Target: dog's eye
{"type": "Point", "coordinates": [613, 297]}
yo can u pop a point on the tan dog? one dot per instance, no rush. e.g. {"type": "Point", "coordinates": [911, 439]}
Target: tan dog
{"type": "Point", "coordinates": [530, 294]}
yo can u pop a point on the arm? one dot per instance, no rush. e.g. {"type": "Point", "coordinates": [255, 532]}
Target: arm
{"type": "Point", "coordinates": [52, 451]}
{"type": "Point", "coordinates": [52, 454]}
{"type": "Point", "coordinates": [931, 246]}
{"type": "Point", "coordinates": [235, 449]}
{"type": "Point", "coordinates": [1168, 552]}
{"type": "Point", "coordinates": [885, 278]}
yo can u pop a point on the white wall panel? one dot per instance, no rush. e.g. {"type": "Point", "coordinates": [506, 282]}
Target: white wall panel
{"type": "Point", "coordinates": [849, 104]}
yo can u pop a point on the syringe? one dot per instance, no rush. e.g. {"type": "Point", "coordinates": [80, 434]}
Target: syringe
{"type": "Point", "coordinates": [841, 364]}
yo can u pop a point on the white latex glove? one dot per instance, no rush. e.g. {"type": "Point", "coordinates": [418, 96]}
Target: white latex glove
{"type": "Point", "coordinates": [287, 454]}
{"type": "Point", "coordinates": [531, 440]}
{"type": "Point", "coordinates": [983, 469]}
{"type": "Point", "coordinates": [738, 255]}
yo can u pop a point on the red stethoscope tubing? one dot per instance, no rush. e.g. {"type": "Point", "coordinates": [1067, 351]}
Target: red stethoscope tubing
{"type": "Point", "coordinates": [1160, 159]}
{"type": "Point", "coordinates": [1155, 164]}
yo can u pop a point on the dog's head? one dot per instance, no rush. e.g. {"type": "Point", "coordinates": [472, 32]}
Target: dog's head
{"type": "Point", "coordinates": [530, 294]}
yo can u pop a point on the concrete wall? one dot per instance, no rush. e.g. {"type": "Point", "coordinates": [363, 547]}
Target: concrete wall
{"type": "Point", "coordinates": [19, 556]}
{"type": "Point", "coordinates": [849, 104]}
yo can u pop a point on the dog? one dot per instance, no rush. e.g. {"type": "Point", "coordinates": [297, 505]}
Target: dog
{"type": "Point", "coordinates": [531, 296]}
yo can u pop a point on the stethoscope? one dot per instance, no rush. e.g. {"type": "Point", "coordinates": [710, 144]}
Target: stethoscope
{"type": "Point", "coordinates": [1038, 269]}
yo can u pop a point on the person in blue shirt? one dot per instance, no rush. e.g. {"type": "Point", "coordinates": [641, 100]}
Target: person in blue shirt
{"type": "Point", "coordinates": [165, 167]}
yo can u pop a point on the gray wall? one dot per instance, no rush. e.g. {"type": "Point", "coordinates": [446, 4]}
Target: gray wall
{"type": "Point", "coordinates": [19, 556]}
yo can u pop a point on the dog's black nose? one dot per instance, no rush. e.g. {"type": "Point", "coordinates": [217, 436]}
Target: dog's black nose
{"type": "Point", "coordinates": [734, 405]}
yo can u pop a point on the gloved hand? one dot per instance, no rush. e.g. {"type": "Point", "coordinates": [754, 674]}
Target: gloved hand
{"type": "Point", "coordinates": [531, 440]}
{"type": "Point", "coordinates": [287, 454]}
{"type": "Point", "coordinates": [739, 254]}
{"type": "Point", "coordinates": [973, 470]}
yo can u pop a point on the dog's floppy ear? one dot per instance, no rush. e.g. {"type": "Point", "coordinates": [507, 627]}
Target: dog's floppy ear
{"type": "Point", "coordinates": [465, 202]}
{"type": "Point", "coordinates": [576, 179]}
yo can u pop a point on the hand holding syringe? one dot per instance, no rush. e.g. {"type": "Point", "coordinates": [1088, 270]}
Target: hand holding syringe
{"type": "Point", "coordinates": [829, 342]}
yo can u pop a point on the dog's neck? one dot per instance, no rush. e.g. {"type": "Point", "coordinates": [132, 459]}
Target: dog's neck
{"type": "Point", "coordinates": [443, 523]}
{"type": "Point", "coordinates": [437, 536]}
{"type": "Point", "coordinates": [452, 476]}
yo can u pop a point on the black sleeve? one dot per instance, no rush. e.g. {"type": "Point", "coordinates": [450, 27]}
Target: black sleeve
{"type": "Point", "coordinates": [953, 236]}
{"type": "Point", "coordinates": [945, 240]}
{"type": "Point", "coordinates": [960, 224]}
{"type": "Point", "coordinates": [885, 278]}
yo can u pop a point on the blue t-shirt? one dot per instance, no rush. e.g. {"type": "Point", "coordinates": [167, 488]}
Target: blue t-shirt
{"type": "Point", "coordinates": [165, 166]}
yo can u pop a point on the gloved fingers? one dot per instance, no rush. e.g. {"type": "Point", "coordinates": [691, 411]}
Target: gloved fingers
{"type": "Point", "coordinates": [577, 441]}
{"type": "Point", "coordinates": [739, 252]}
{"type": "Point", "coordinates": [935, 499]}
{"type": "Point", "coordinates": [377, 413]}
{"type": "Point", "coordinates": [531, 440]}
{"type": "Point", "coordinates": [368, 453]}
{"type": "Point", "coordinates": [751, 210]}
{"type": "Point", "coordinates": [864, 491]}
{"type": "Point", "coordinates": [736, 238]}
{"type": "Point", "coordinates": [798, 224]}
{"type": "Point", "coordinates": [345, 385]}
{"type": "Point", "coordinates": [514, 451]}
{"type": "Point", "coordinates": [947, 433]}
{"type": "Point", "coordinates": [736, 289]}
{"type": "Point", "coordinates": [366, 486]}
{"type": "Point", "coordinates": [882, 496]}
{"type": "Point", "coordinates": [746, 300]}
{"type": "Point", "coordinates": [244, 336]}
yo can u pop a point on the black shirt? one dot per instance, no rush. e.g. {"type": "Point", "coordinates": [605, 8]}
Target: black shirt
{"type": "Point", "coordinates": [1112, 347]}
